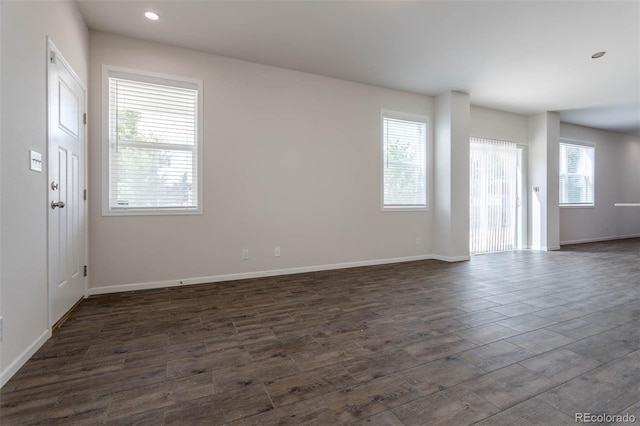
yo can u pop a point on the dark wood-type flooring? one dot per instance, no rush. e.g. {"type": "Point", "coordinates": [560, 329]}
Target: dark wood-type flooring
{"type": "Point", "coordinates": [506, 339]}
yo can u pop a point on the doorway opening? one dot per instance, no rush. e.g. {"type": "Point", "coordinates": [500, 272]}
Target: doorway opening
{"type": "Point", "coordinates": [497, 170]}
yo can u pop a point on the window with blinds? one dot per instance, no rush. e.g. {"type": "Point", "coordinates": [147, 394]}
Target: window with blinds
{"type": "Point", "coordinates": [154, 145]}
{"type": "Point", "coordinates": [404, 161]}
{"type": "Point", "coordinates": [576, 174]}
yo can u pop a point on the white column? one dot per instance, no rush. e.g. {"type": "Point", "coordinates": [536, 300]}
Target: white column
{"type": "Point", "coordinates": [543, 209]}
{"type": "Point", "coordinates": [451, 176]}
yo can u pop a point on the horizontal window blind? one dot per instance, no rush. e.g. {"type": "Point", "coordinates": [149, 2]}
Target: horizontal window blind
{"type": "Point", "coordinates": [576, 174]}
{"type": "Point", "coordinates": [404, 163]}
{"type": "Point", "coordinates": [153, 145]}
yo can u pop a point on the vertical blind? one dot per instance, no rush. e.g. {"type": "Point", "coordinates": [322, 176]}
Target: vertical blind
{"type": "Point", "coordinates": [153, 145]}
{"type": "Point", "coordinates": [492, 195]}
{"type": "Point", "coordinates": [404, 162]}
{"type": "Point", "coordinates": [576, 174]}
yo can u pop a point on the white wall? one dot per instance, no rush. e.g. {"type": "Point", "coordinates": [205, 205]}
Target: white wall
{"type": "Point", "coordinates": [25, 26]}
{"type": "Point", "coordinates": [499, 125]}
{"type": "Point", "coordinates": [617, 180]}
{"type": "Point", "coordinates": [451, 181]}
{"type": "Point", "coordinates": [290, 160]}
{"type": "Point", "coordinates": [1, 4]}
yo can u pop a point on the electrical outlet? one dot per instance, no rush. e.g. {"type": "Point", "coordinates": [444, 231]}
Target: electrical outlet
{"type": "Point", "coordinates": [245, 254]}
{"type": "Point", "coordinates": [418, 242]}
{"type": "Point", "coordinates": [276, 251]}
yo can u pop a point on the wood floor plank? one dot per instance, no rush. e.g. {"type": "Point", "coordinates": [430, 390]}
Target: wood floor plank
{"type": "Point", "coordinates": [560, 365]}
{"type": "Point", "coordinates": [378, 395]}
{"type": "Point", "coordinates": [441, 374]}
{"type": "Point", "coordinates": [380, 364]}
{"type": "Point", "coordinates": [309, 384]}
{"type": "Point", "coordinates": [386, 418]}
{"type": "Point", "coordinates": [532, 412]}
{"type": "Point", "coordinates": [510, 385]}
{"type": "Point", "coordinates": [313, 412]}
{"type": "Point", "coordinates": [456, 406]}
{"type": "Point", "coordinates": [496, 355]}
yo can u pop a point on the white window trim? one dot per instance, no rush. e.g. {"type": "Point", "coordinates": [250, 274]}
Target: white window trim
{"type": "Point", "coordinates": [409, 117]}
{"type": "Point", "coordinates": [585, 144]}
{"type": "Point", "coordinates": [150, 77]}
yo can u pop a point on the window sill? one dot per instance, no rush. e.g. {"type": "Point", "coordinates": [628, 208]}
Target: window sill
{"type": "Point", "coordinates": [141, 212]}
{"type": "Point", "coordinates": [577, 206]}
{"type": "Point", "coordinates": [404, 209]}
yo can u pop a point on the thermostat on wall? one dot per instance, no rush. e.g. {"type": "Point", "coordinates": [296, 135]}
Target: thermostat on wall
{"type": "Point", "coordinates": [35, 161]}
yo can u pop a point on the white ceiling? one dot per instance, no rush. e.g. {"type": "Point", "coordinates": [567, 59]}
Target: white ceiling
{"type": "Point", "coordinates": [520, 56]}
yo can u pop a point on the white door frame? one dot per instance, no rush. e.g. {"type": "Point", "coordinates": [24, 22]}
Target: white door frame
{"type": "Point", "coordinates": [51, 48]}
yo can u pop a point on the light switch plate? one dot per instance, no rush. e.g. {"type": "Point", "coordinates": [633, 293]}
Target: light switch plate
{"type": "Point", "coordinates": [35, 161]}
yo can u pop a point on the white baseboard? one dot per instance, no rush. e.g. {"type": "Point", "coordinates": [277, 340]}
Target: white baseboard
{"type": "Point", "coordinates": [595, 240]}
{"type": "Point", "coordinates": [135, 287]}
{"type": "Point", "coordinates": [450, 258]}
{"type": "Point", "coordinates": [23, 358]}
{"type": "Point", "coordinates": [544, 248]}
{"type": "Point", "coordinates": [265, 273]}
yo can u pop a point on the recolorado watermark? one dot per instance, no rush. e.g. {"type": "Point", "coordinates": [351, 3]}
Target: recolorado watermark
{"type": "Point", "coordinates": [604, 418]}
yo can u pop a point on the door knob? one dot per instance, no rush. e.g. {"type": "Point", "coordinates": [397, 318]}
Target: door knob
{"type": "Point", "coordinates": [59, 204]}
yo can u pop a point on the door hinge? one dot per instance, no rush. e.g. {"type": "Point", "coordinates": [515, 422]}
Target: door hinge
{"type": "Point", "coordinates": [84, 118]}
{"type": "Point", "coordinates": [84, 195]}
{"type": "Point", "coordinates": [85, 270]}
{"type": "Point", "coordinates": [52, 57]}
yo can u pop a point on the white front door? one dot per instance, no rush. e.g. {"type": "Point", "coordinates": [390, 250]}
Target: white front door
{"type": "Point", "coordinates": [66, 204]}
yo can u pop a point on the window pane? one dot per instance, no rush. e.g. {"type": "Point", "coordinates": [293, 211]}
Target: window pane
{"type": "Point", "coordinates": [153, 145]}
{"type": "Point", "coordinates": [576, 174]}
{"type": "Point", "coordinates": [153, 113]}
{"type": "Point", "coordinates": [152, 178]}
{"type": "Point", "coordinates": [404, 163]}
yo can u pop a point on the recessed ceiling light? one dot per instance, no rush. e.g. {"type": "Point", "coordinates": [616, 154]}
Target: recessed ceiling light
{"type": "Point", "coordinates": [152, 16]}
{"type": "Point", "coordinates": [598, 55]}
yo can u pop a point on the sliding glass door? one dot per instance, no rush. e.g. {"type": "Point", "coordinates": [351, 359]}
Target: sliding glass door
{"type": "Point", "coordinates": [494, 196]}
